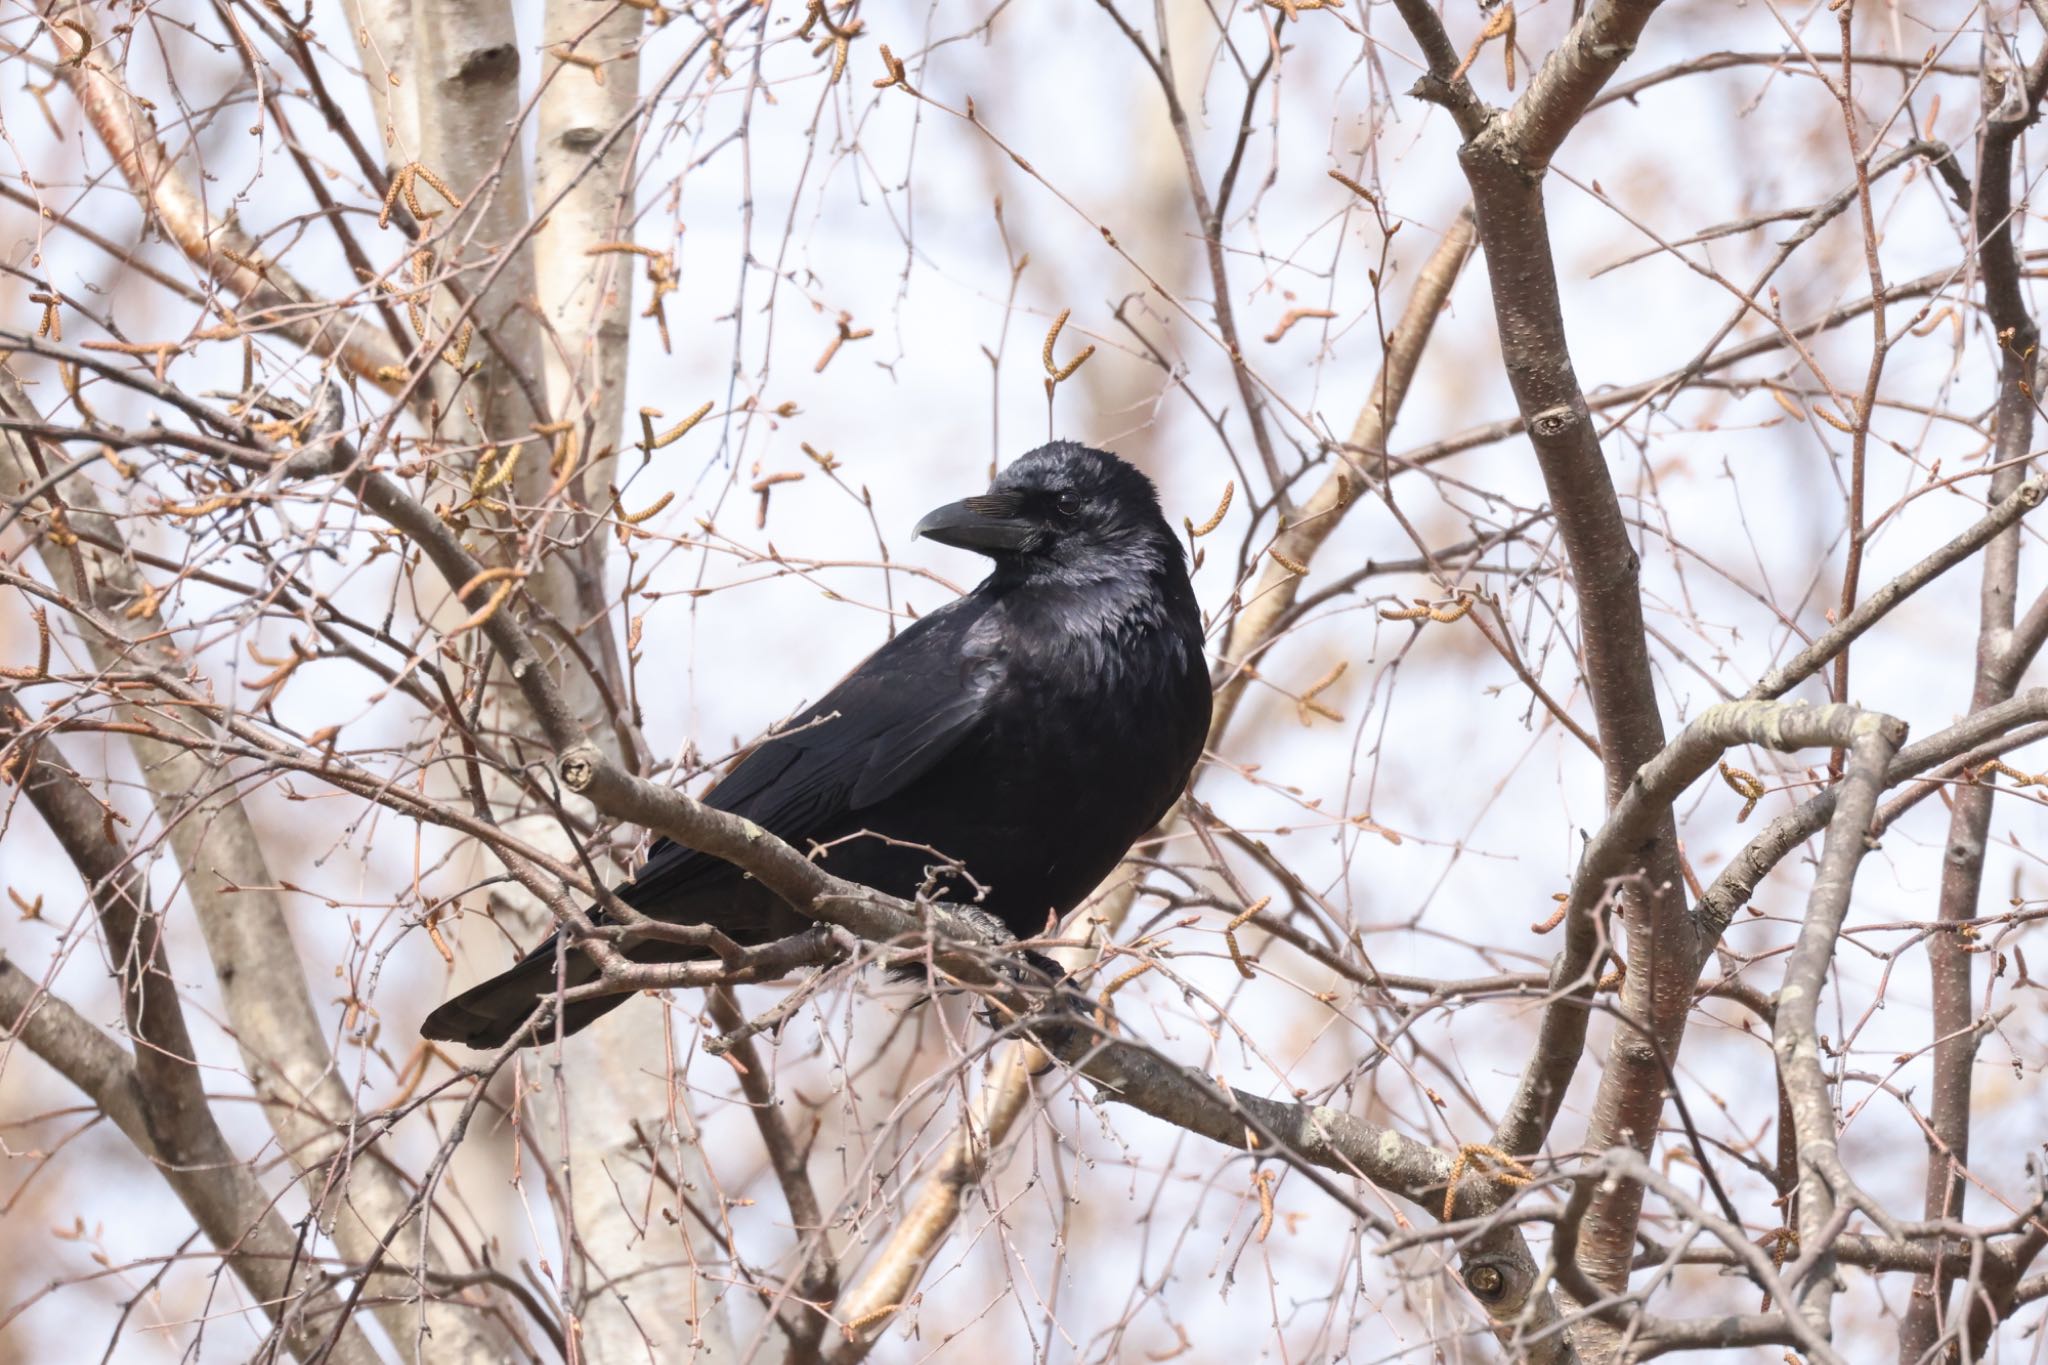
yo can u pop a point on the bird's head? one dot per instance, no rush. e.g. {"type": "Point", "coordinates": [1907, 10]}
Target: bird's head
{"type": "Point", "coordinates": [1065, 511]}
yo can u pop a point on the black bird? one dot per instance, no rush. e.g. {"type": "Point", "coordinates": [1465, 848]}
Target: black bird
{"type": "Point", "coordinates": [1026, 733]}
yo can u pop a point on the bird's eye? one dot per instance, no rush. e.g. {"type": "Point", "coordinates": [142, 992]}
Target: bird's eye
{"type": "Point", "coordinates": [1068, 504]}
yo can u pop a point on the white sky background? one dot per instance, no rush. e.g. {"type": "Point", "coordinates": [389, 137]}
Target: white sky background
{"type": "Point", "coordinates": [1435, 744]}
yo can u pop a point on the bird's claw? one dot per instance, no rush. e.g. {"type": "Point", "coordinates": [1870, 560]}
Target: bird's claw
{"type": "Point", "coordinates": [1034, 971]}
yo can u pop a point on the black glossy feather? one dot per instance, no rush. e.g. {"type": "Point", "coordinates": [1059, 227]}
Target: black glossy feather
{"type": "Point", "coordinates": [1007, 748]}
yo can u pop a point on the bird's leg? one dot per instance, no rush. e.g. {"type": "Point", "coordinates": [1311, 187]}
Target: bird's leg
{"type": "Point", "coordinates": [1044, 979]}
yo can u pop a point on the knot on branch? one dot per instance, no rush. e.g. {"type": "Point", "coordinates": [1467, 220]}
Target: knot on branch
{"type": "Point", "coordinates": [1487, 1281]}
{"type": "Point", "coordinates": [1430, 90]}
{"type": "Point", "coordinates": [579, 767]}
{"type": "Point", "coordinates": [1455, 96]}
{"type": "Point", "coordinates": [498, 62]}
{"type": "Point", "coordinates": [1552, 423]}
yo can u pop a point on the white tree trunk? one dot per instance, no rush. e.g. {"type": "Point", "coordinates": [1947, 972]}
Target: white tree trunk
{"type": "Point", "coordinates": [560, 317]}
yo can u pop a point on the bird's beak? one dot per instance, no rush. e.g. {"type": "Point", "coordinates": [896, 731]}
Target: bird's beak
{"type": "Point", "coordinates": [990, 524]}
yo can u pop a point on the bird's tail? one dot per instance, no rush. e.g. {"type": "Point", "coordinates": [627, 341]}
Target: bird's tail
{"type": "Point", "coordinates": [487, 1014]}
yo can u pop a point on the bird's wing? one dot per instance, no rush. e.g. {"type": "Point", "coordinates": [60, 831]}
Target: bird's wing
{"type": "Point", "coordinates": [885, 725]}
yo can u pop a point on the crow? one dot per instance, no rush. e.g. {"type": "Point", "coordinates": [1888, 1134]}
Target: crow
{"type": "Point", "coordinates": [1003, 751]}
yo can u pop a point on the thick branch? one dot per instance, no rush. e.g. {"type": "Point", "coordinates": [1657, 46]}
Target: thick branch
{"type": "Point", "coordinates": [2001, 658]}
{"type": "Point", "coordinates": [1571, 78]}
{"type": "Point", "coordinates": [1609, 859]}
{"type": "Point", "coordinates": [249, 940]}
{"type": "Point", "coordinates": [158, 1098]}
{"type": "Point", "coordinates": [1730, 891]}
{"type": "Point", "coordinates": [1504, 158]}
{"type": "Point", "coordinates": [1872, 741]}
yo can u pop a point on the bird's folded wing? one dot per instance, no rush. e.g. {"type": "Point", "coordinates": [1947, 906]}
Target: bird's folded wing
{"type": "Point", "coordinates": [883, 727]}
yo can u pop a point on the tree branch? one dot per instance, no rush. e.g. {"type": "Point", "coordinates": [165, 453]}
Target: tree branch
{"type": "Point", "coordinates": [1872, 741]}
{"type": "Point", "coordinates": [249, 939]}
{"type": "Point", "coordinates": [220, 246]}
{"type": "Point", "coordinates": [2001, 658]}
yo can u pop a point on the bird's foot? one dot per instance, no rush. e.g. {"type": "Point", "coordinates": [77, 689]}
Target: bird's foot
{"type": "Point", "coordinates": [1046, 979]}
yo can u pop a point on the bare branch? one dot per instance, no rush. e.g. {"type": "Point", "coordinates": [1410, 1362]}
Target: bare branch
{"type": "Point", "coordinates": [158, 1098]}
{"type": "Point", "coordinates": [248, 936]}
{"type": "Point", "coordinates": [217, 243]}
